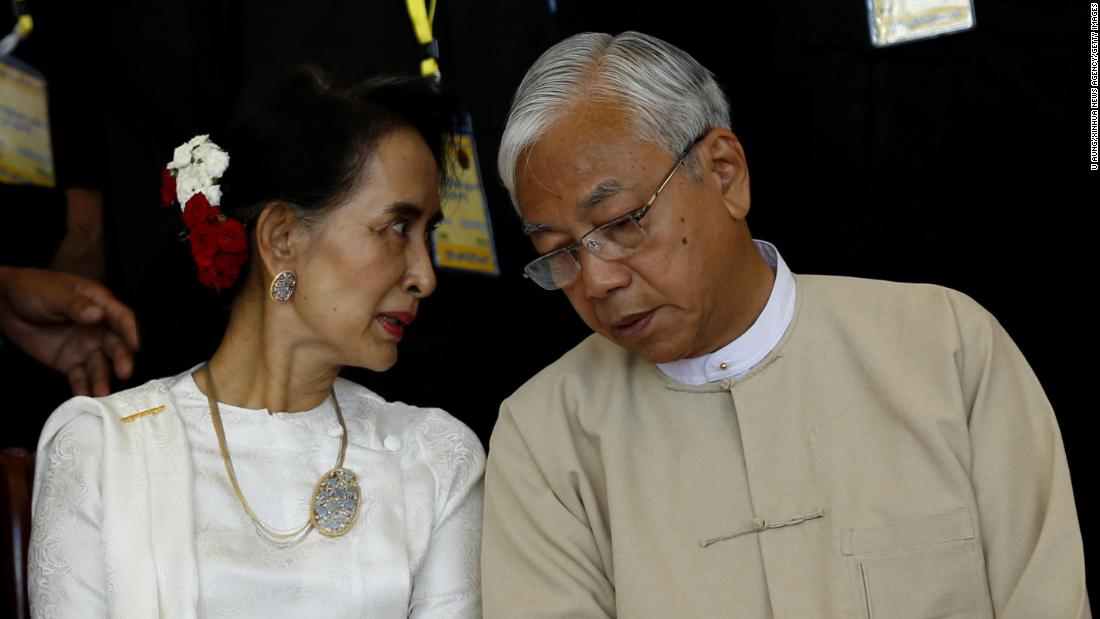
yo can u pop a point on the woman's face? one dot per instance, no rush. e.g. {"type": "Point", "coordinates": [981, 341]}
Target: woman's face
{"type": "Point", "coordinates": [363, 269]}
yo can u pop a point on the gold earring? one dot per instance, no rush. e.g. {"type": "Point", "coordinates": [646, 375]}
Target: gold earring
{"type": "Point", "coordinates": [283, 286]}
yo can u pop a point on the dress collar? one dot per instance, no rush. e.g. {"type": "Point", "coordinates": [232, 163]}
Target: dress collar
{"type": "Point", "coordinates": [740, 355]}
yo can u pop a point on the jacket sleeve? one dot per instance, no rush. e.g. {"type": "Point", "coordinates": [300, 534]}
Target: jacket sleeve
{"type": "Point", "coordinates": [66, 574]}
{"type": "Point", "coordinates": [447, 583]}
{"type": "Point", "coordinates": [1029, 529]}
{"type": "Point", "coordinates": [539, 559]}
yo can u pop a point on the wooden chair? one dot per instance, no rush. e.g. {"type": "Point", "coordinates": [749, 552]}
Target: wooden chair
{"type": "Point", "coordinates": [16, 479]}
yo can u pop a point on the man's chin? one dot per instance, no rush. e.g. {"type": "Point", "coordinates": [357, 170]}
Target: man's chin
{"type": "Point", "coordinates": [653, 349]}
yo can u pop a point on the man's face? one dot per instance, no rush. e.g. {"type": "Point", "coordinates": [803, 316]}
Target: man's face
{"type": "Point", "coordinates": [671, 299]}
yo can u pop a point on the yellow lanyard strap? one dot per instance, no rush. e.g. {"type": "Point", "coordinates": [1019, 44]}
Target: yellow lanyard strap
{"type": "Point", "coordinates": [422, 18]}
{"type": "Point", "coordinates": [24, 26]}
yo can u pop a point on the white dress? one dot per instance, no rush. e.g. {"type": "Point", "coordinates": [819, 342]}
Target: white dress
{"type": "Point", "coordinates": [413, 551]}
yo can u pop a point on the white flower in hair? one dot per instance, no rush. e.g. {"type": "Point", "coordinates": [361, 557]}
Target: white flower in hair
{"type": "Point", "coordinates": [213, 195]}
{"type": "Point", "coordinates": [180, 157]}
{"type": "Point", "coordinates": [188, 183]}
{"type": "Point", "coordinates": [211, 159]}
{"type": "Point", "coordinates": [198, 165]}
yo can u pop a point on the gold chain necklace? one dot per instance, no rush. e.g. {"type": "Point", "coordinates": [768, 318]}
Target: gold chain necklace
{"type": "Point", "coordinates": [335, 503]}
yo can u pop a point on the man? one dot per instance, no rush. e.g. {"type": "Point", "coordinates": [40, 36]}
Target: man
{"type": "Point", "coordinates": [735, 440]}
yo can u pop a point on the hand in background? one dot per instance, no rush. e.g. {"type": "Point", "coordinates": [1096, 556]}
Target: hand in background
{"type": "Point", "coordinates": [68, 323]}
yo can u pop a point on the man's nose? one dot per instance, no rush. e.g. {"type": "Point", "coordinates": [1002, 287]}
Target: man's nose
{"type": "Point", "coordinates": [600, 277]}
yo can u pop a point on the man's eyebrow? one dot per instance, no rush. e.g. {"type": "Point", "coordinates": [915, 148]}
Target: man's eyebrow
{"type": "Point", "coordinates": [605, 190]}
{"type": "Point", "coordinates": [531, 228]}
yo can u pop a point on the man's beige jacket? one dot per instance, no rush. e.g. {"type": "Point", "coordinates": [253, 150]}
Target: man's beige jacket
{"type": "Point", "coordinates": [893, 457]}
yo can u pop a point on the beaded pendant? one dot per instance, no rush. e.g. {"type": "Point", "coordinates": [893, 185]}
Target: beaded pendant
{"type": "Point", "coordinates": [335, 503]}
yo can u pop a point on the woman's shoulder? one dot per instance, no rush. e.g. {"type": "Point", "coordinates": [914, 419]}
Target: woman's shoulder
{"type": "Point", "coordinates": [85, 412]}
{"type": "Point", "coordinates": [427, 431]}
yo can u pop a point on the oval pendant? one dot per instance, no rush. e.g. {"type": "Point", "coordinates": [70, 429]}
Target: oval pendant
{"type": "Point", "coordinates": [335, 503]}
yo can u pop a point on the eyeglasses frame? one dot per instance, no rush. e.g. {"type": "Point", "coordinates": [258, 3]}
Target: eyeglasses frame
{"type": "Point", "coordinates": [573, 249]}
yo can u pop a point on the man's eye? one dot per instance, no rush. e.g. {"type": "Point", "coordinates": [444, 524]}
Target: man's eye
{"type": "Point", "coordinates": [400, 226]}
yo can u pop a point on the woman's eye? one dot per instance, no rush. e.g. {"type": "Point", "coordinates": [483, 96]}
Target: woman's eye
{"type": "Point", "coordinates": [432, 228]}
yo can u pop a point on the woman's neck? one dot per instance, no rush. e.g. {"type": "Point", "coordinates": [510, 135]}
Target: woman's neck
{"type": "Point", "coordinates": [260, 365]}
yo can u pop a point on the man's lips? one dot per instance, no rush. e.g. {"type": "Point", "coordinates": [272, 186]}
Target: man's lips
{"type": "Point", "coordinates": [632, 325]}
{"type": "Point", "coordinates": [395, 322]}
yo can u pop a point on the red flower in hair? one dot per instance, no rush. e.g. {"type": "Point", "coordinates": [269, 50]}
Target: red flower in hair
{"type": "Point", "coordinates": [218, 243]}
{"type": "Point", "coordinates": [167, 188]}
{"type": "Point", "coordinates": [231, 238]}
{"type": "Point", "coordinates": [204, 244]}
{"type": "Point", "coordinates": [198, 212]}
{"type": "Point", "coordinates": [222, 271]}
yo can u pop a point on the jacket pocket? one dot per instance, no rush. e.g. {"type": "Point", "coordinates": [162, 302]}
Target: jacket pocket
{"type": "Point", "coordinates": [920, 569]}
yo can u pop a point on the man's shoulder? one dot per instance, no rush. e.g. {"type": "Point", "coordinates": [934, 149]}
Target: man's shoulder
{"type": "Point", "coordinates": [861, 299]}
{"type": "Point", "coordinates": [845, 287]}
{"type": "Point", "coordinates": [907, 323]}
{"type": "Point", "coordinates": [593, 363]}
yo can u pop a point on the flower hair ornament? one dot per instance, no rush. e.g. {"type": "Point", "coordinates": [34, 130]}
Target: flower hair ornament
{"type": "Point", "coordinates": [218, 243]}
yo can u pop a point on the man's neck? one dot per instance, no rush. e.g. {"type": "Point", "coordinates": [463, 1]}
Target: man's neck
{"type": "Point", "coordinates": [741, 302]}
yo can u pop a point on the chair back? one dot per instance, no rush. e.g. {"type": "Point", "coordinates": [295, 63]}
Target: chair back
{"type": "Point", "coordinates": [16, 480]}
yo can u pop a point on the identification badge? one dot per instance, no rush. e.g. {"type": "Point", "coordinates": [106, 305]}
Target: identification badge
{"type": "Point", "coordinates": [26, 157]}
{"type": "Point", "coordinates": [899, 21]}
{"type": "Point", "coordinates": [464, 240]}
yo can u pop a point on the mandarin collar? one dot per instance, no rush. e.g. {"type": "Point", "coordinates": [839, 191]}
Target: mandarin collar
{"type": "Point", "coordinates": [752, 346]}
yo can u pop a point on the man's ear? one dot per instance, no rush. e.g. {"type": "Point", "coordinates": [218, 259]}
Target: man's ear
{"type": "Point", "coordinates": [278, 236]}
{"type": "Point", "coordinates": [722, 156]}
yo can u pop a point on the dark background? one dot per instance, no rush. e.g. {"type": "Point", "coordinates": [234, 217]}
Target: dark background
{"type": "Point", "coordinates": [961, 161]}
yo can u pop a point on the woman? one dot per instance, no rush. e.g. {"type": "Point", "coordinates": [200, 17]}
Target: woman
{"type": "Point", "coordinates": [259, 483]}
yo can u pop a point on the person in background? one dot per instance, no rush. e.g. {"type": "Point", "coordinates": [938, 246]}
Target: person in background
{"type": "Point", "coordinates": [259, 483]}
{"type": "Point", "coordinates": [737, 440]}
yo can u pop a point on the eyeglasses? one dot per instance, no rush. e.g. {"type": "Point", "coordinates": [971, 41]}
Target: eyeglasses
{"type": "Point", "coordinates": [617, 239]}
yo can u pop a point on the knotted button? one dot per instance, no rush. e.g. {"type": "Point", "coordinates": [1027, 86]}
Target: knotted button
{"type": "Point", "coordinates": [758, 524]}
{"type": "Point", "coordinates": [392, 443]}
{"type": "Point", "coordinates": [335, 431]}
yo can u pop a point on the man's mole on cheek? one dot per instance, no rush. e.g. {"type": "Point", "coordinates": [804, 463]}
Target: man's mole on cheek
{"type": "Point", "coordinates": [684, 241]}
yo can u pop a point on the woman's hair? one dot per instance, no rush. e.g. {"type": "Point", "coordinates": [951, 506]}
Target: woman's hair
{"type": "Point", "coordinates": [303, 139]}
{"type": "Point", "coordinates": [670, 98]}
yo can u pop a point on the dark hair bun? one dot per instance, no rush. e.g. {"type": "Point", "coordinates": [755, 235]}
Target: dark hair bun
{"type": "Point", "coordinates": [300, 137]}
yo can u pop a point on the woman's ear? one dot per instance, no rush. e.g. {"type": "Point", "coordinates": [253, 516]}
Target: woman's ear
{"type": "Point", "coordinates": [723, 156]}
{"type": "Point", "coordinates": [277, 236]}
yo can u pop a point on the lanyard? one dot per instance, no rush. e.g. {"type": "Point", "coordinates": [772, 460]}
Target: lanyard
{"type": "Point", "coordinates": [422, 17]}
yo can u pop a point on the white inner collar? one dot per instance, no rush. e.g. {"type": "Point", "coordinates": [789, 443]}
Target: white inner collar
{"type": "Point", "coordinates": [743, 353]}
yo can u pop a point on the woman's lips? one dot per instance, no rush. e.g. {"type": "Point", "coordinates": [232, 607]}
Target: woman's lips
{"type": "Point", "coordinates": [635, 327]}
{"type": "Point", "coordinates": [395, 322]}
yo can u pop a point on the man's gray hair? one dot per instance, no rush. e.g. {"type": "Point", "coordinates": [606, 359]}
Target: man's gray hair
{"type": "Point", "coordinates": [669, 97]}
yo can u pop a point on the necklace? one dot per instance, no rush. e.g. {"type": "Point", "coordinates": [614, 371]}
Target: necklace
{"type": "Point", "coordinates": [335, 503]}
